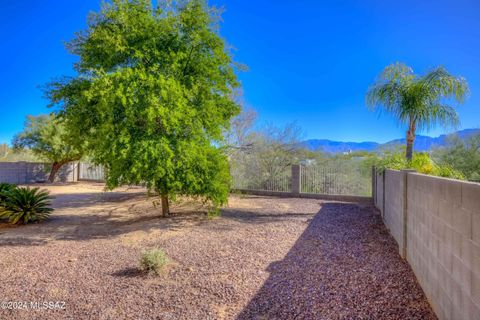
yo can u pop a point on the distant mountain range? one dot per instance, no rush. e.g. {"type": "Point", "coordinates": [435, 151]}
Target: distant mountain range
{"type": "Point", "coordinates": [422, 143]}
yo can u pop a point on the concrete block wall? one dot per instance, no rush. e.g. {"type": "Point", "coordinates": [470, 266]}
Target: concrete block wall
{"type": "Point", "coordinates": [394, 206]}
{"type": "Point", "coordinates": [442, 225]}
{"type": "Point", "coordinates": [12, 172]}
{"type": "Point", "coordinates": [31, 172]}
{"type": "Point", "coordinates": [378, 192]}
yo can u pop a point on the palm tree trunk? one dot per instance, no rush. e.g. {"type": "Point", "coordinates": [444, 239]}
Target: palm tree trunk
{"type": "Point", "coordinates": [409, 153]}
{"type": "Point", "coordinates": [410, 140]}
{"type": "Point", "coordinates": [165, 205]}
{"type": "Point", "coordinates": [410, 137]}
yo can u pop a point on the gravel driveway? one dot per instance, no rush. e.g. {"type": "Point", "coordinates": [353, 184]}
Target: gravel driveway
{"type": "Point", "coordinates": [264, 258]}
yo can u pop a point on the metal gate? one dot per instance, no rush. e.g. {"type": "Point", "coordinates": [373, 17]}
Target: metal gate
{"type": "Point", "coordinates": [342, 177]}
{"type": "Point", "coordinates": [271, 179]}
{"type": "Point", "coordinates": [337, 178]}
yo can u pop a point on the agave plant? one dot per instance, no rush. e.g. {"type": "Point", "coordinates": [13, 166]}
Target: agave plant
{"type": "Point", "coordinates": [24, 205]}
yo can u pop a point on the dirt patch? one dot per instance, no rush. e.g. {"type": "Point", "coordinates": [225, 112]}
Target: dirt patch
{"type": "Point", "coordinates": [264, 258]}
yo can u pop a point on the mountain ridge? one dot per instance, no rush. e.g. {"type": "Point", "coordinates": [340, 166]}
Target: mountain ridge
{"type": "Point", "coordinates": [422, 143]}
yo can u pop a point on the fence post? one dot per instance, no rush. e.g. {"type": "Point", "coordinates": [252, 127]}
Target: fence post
{"type": "Point", "coordinates": [296, 177]}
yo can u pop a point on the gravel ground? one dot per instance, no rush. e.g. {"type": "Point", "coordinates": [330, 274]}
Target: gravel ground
{"type": "Point", "coordinates": [264, 258]}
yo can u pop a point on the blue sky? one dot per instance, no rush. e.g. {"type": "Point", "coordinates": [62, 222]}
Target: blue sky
{"type": "Point", "coordinates": [309, 61]}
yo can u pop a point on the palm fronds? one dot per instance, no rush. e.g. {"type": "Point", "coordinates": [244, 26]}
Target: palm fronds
{"type": "Point", "coordinates": [25, 204]}
{"type": "Point", "coordinates": [420, 102]}
{"type": "Point", "coordinates": [423, 99]}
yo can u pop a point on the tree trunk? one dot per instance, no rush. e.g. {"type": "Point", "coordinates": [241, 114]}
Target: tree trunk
{"type": "Point", "coordinates": [409, 153]}
{"type": "Point", "coordinates": [410, 140]}
{"type": "Point", "coordinates": [165, 205]}
{"type": "Point", "coordinates": [55, 167]}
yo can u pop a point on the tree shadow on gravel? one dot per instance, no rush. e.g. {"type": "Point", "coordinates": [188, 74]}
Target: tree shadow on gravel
{"type": "Point", "coordinates": [85, 200]}
{"type": "Point", "coordinates": [129, 273]}
{"type": "Point", "coordinates": [17, 241]}
{"type": "Point", "coordinates": [97, 215]}
{"type": "Point", "coordinates": [87, 216]}
{"type": "Point", "coordinates": [344, 266]}
{"type": "Point", "coordinates": [250, 216]}
{"type": "Point", "coordinates": [95, 227]}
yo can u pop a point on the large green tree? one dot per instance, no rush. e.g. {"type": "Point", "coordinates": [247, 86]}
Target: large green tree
{"type": "Point", "coordinates": [419, 102]}
{"type": "Point", "coordinates": [153, 95]}
{"type": "Point", "coordinates": [462, 154]}
{"type": "Point", "coordinates": [47, 138]}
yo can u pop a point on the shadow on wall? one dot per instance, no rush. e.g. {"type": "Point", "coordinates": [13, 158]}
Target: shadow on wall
{"type": "Point", "coordinates": [37, 172]}
{"type": "Point", "coordinates": [32, 172]}
{"type": "Point", "coordinates": [344, 265]}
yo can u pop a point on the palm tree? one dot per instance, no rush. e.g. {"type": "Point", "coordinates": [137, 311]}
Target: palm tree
{"type": "Point", "coordinates": [420, 102]}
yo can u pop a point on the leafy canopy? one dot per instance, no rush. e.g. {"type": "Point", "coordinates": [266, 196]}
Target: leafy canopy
{"type": "Point", "coordinates": [47, 137]}
{"type": "Point", "coordinates": [418, 100]}
{"type": "Point", "coordinates": [154, 93]}
{"type": "Point", "coordinates": [463, 155]}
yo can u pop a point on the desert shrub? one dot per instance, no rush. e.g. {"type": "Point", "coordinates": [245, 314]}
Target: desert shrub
{"type": "Point", "coordinates": [462, 155]}
{"type": "Point", "coordinates": [213, 212]}
{"type": "Point", "coordinates": [153, 261]}
{"type": "Point", "coordinates": [25, 205]}
{"type": "Point", "coordinates": [421, 162]}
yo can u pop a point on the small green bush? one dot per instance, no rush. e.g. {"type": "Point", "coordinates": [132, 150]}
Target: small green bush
{"type": "Point", "coordinates": [25, 205]}
{"type": "Point", "coordinates": [213, 212]}
{"type": "Point", "coordinates": [5, 188]}
{"type": "Point", "coordinates": [153, 261]}
{"type": "Point", "coordinates": [421, 162]}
